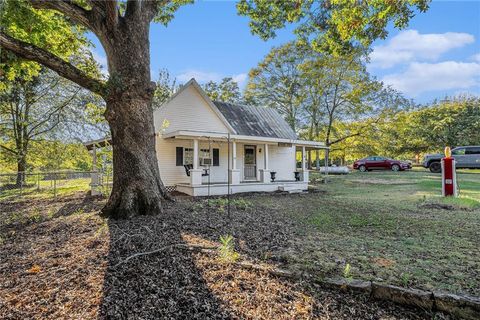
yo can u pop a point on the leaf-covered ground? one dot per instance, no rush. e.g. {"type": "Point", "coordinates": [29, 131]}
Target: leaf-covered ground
{"type": "Point", "coordinates": [60, 260]}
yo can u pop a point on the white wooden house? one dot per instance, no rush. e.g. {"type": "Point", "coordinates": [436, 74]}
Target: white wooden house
{"type": "Point", "coordinates": [205, 147]}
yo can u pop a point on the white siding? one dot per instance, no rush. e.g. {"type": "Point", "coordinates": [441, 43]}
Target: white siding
{"type": "Point", "coordinates": [188, 111]}
{"type": "Point", "coordinates": [172, 174]}
{"type": "Point", "coordinates": [282, 161]}
{"type": "Point", "coordinates": [166, 154]}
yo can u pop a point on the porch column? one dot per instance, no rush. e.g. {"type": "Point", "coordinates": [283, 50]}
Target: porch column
{"type": "Point", "coordinates": [94, 176]}
{"type": "Point", "coordinates": [195, 173]}
{"type": "Point", "coordinates": [234, 172]}
{"type": "Point", "coordinates": [304, 165]}
{"type": "Point", "coordinates": [265, 172]}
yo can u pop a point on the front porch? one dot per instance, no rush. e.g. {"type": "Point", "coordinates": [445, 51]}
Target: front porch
{"type": "Point", "coordinates": [216, 189]}
{"type": "Point", "coordinates": [217, 164]}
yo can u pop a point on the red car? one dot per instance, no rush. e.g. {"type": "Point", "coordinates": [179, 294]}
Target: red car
{"type": "Point", "coordinates": [380, 163]}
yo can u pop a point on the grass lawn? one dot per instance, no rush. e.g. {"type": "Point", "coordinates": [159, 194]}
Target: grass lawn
{"type": "Point", "coordinates": [45, 189]}
{"type": "Point", "coordinates": [390, 227]}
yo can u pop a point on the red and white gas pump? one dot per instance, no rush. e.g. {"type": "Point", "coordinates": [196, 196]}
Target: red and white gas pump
{"type": "Point", "coordinates": [449, 175]}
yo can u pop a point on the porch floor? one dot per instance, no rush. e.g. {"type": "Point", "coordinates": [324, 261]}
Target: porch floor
{"type": "Point", "coordinates": [221, 188]}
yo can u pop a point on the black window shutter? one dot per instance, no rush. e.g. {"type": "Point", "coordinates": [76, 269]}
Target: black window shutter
{"type": "Point", "coordinates": [179, 156]}
{"type": "Point", "coordinates": [216, 157]}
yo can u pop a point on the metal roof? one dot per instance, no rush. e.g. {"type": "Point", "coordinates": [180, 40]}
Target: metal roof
{"type": "Point", "coordinates": [255, 121]}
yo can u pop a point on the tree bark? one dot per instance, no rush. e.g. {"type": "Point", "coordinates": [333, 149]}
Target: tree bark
{"type": "Point", "coordinates": [21, 168]}
{"type": "Point", "coordinates": [137, 187]}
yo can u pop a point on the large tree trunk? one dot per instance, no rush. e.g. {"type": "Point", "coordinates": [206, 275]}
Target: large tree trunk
{"type": "Point", "coordinates": [21, 168]}
{"type": "Point", "coordinates": [137, 188]}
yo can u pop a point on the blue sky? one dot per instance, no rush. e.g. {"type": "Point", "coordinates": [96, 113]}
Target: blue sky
{"type": "Point", "coordinates": [438, 54]}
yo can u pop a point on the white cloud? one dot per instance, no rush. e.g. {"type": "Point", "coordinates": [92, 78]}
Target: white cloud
{"type": "Point", "coordinates": [424, 77]}
{"type": "Point", "coordinates": [200, 76]}
{"type": "Point", "coordinates": [476, 57]}
{"type": "Point", "coordinates": [102, 61]}
{"type": "Point", "coordinates": [241, 79]}
{"type": "Point", "coordinates": [100, 58]}
{"type": "Point", "coordinates": [203, 76]}
{"type": "Point", "coordinates": [410, 45]}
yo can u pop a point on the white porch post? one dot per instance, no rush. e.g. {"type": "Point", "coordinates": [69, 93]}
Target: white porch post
{"type": "Point", "coordinates": [234, 172]}
{"type": "Point", "coordinates": [265, 172]}
{"type": "Point", "coordinates": [304, 162]}
{"type": "Point", "coordinates": [195, 173]}
{"type": "Point", "coordinates": [95, 178]}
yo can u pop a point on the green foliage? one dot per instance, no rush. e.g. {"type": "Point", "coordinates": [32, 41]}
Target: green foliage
{"type": "Point", "coordinates": [46, 29]}
{"type": "Point", "coordinates": [165, 88]}
{"type": "Point", "coordinates": [280, 70]}
{"type": "Point", "coordinates": [168, 9]}
{"type": "Point", "coordinates": [319, 94]}
{"type": "Point", "coordinates": [226, 251]}
{"type": "Point", "coordinates": [416, 131]}
{"type": "Point", "coordinates": [347, 272]}
{"type": "Point", "coordinates": [405, 279]}
{"type": "Point", "coordinates": [51, 155]}
{"type": "Point", "coordinates": [226, 91]}
{"type": "Point", "coordinates": [335, 25]}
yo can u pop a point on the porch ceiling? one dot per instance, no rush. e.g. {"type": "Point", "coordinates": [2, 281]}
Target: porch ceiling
{"type": "Point", "coordinates": [203, 135]}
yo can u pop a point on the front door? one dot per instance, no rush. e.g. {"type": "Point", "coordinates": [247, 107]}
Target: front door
{"type": "Point", "coordinates": [250, 165]}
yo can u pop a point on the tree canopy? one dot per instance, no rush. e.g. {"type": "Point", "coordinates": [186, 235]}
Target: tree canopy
{"type": "Point", "coordinates": [226, 90]}
{"type": "Point", "coordinates": [332, 25]}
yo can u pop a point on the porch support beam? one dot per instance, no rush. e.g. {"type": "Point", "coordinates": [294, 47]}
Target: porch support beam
{"type": "Point", "coordinates": [94, 176]}
{"type": "Point", "coordinates": [234, 172]}
{"type": "Point", "coordinates": [304, 165]}
{"type": "Point", "coordinates": [265, 172]}
{"type": "Point", "coordinates": [195, 173]}
{"type": "Point", "coordinates": [195, 154]}
{"type": "Point", "coordinates": [234, 155]}
{"type": "Point", "coordinates": [265, 156]}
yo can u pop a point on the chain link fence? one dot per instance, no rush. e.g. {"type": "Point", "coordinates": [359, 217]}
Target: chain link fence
{"type": "Point", "coordinates": [53, 184]}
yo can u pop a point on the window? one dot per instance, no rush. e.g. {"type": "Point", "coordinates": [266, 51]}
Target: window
{"type": "Point", "coordinates": [204, 153]}
{"type": "Point", "coordinates": [187, 156]}
{"type": "Point", "coordinates": [473, 150]}
{"type": "Point", "coordinates": [458, 152]}
{"type": "Point", "coordinates": [184, 156]}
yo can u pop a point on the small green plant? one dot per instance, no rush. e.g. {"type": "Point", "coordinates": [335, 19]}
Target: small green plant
{"type": "Point", "coordinates": [35, 216]}
{"type": "Point", "coordinates": [226, 250]}
{"type": "Point", "coordinates": [197, 206]}
{"type": "Point", "coordinates": [405, 278]}
{"type": "Point", "coordinates": [347, 272]}
{"type": "Point", "coordinates": [241, 204]}
{"type": "Point", "coordinates": [78, 212]}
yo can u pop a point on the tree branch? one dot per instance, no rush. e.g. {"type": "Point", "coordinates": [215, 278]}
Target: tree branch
{"type": "Point", "coordinates": [111, 10]}
{"type": "Point", "coordinates": [8, 149]}
{"type": "Point", "coordinates": [63, 68]}
{"type": "Point", "coordinates": [67, 8]}
{"type": "Point", "coordinates": [345, 137]}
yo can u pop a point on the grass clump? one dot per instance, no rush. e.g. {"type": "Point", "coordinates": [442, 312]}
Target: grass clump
{"type": "Point", "coordinates": [226, 251]}
{"type": "Point", "coordinates": [461, 202]}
